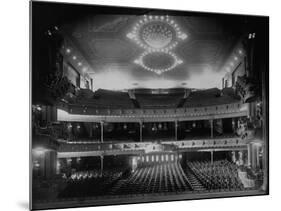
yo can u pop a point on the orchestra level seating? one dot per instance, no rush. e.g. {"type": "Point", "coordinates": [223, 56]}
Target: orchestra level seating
{"type": "Point", "coordinates": [217, 175]}
{"type": "Point", "coordinates": [198, 176]}
{"type": "Point", "coordinates": [165, 177]}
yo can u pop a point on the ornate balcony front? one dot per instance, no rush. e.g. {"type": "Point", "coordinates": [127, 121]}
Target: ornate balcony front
{"type": "Point", "coordinates": [78, 149]}
{"type": "Point", "coordinates": [85, 114]}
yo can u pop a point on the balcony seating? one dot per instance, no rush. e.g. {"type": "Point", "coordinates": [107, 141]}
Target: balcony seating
{"type": "Point", "coordinates": [221, 175]}
{"type": "Point", "coordinates": [159, 100]}
{"type": "Point", "coordinates": [105, 99]}
{"type": "Point", "coordinates": [206, 135]}
{"type": "Point", "coordinates": [210, 97]}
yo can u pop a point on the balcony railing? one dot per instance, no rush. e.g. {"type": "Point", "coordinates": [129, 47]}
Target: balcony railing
{"type": "Point", "coordinates": [85, 114]}
{"type": "Point", "coordinates": [73, 149]}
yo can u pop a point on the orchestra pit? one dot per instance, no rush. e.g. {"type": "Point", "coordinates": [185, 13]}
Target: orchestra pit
{"type": "Point", "coordinates": [146, 105]}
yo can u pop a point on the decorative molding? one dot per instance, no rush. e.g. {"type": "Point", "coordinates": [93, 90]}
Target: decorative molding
{"type": "Point", "coordinates": [75, 113]}
{"type": "Point", "coordinates": [100, 149]}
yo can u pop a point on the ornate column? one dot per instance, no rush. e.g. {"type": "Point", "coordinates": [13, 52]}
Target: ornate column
{"type": "Point", "coordinates": [140, 123]}
{"type": "Point", "coordinates": [91, 129]}
{"type": "Point", "coordinates": [212, 127]}
{"type": "Point", "coordinates": [240, 158]}
{"type": "Point", "coordinates": [68, 166]}
{"type": "Point", "coordinates": [101, 165]}
{"type": "Point", "coordinates": [176, 130]}
{"type": "Point", "coordinates": [212, 157]}
{"type": "Point", "coordinates": [101, 131]}
{"type": "Point", "coordinates": [257, 156]}
{"type": "Point", "coordinates": [58, 166]}
{"type": "Point", "coordinates": [233, 157]}
{"type": "Point", "coordinates": [233, 125]}
{"type": "Point", "coordinates": [253, 156]}
{"type": "Point", "coordinates": [249, 154]}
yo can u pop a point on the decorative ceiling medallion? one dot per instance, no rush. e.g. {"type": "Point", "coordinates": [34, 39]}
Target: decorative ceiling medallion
{"type": "Point", "coordinates": [172, 59]}
{"type": "Point", "coordinates": [157, 34]}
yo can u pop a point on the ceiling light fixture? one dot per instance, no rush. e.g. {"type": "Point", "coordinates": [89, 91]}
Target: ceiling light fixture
{"type": "Point", "coordinates": [141, 61]}
{"type": "Point", "coordinates": [157, 34]}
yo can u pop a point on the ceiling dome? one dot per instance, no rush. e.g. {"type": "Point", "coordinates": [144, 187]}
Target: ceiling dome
{"type": "Point", "coordinates": [157, 35]}
{"type": "Point", "coordinates": [158, 62]}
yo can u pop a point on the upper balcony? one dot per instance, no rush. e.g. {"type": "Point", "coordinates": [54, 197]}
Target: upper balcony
{"type": "Point", "coordinates": [148, 106]}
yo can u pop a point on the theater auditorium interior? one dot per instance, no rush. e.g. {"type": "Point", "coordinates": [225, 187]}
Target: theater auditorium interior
{"type": "Point", "coordinates": [134, 105]}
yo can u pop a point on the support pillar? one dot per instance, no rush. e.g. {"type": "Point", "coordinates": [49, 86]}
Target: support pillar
{"type": "Point", "coordinates": [253, 156]}
{"type": "Point", "coordinates": [50, 163]}
{"type": "Point", "coordinates": [91, 130]}
{"type": "Point", "coordinates": [176, 130]}
{"type": "Point", "coordinates": [140, 123]}
{"type": "Point", "coordinates": [68, 166]}
{"type": "Point", "coordinates": [249, 155]}
{"type": "Point", "coordinates": [101, 165]}
{"type": "Point", "coordinates": [212, 127]}
{"type": "Point", "coordinates": [233, 157]}
{"type": "Point", "coordinates": [58, 166]}
{"type": "Point", "coordinates": [101, 131]}
{"type": "Point", "coordinates": [212, 157]}
{"type": "Point", "coordinates": [240, 158]}
{"type": "Point", "coordinates": [264, 167]}
{"type": "Point", "coordinates": [233, 125]}
{"type": "Point", "coordinates": [257, 156]}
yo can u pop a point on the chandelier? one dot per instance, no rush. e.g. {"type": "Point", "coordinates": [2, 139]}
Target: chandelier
{"type": "Point", "coordinates": [157, 34]}
{"type": "Point", "coordinates": [168, 61]}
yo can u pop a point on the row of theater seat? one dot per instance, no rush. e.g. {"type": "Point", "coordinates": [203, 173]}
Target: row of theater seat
{"type": "Point", "coordinates": [198, 176]}
{"type": "Point", "coordinates": [159, 101]}
{"type": "Point", "coordinates": [82, 175]}
{"type": "Point", "coordinates": [90, 186]}
{"type": "Point", "coordinates": [105, 99]}
{"type": "Point", "coordinates": [168, 177]}
{"type": "Point", "coordinates": [218, 175]}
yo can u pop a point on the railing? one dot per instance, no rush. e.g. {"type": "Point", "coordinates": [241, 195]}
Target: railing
{"type": "Point", "coordinates": [97, 149]}
{"type": "Point", "coordinates": [77, 147]}
{"type": "Point", "coordinates": [89, 114]}
{"type": "Point", "coordinates": [210, 143]}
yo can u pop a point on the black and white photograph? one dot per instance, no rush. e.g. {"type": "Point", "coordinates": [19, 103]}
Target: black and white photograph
{"type": "Point", "coordinates": [134, 105]}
